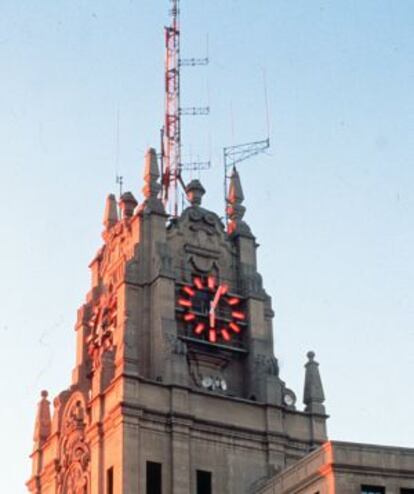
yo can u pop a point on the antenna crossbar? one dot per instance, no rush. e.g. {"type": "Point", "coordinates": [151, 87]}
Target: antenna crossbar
{"type": "Point", "coordinates": [196, 165]}
{"type": "Point", "coordinates": [232, 155]}
{"type": "Point", "coordinates": [192, 62]}
{"type": "Point", "coordinates": [241, 152]}
{"type": "Point", "coordinates": [195, 110]}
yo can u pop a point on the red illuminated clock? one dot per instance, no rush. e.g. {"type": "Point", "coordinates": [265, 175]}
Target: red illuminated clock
{"type": "Point", "coordinates": [210, 312]}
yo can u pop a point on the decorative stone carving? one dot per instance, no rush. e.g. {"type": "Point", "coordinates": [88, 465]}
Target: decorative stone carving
{"type": "Point", "coordinates": [127, 204]}
{"type": "Point", "coordinates": [166, 260]}
{"type": "Point", "coordinates": [175, 345]}
{"type": "Point", "coordinates": [74, 457]}
{"type": "Point", "coordinates": [266, 364]}
{"type": "Point", "coordinates": [251, 281]}
{"type": "Point", "coordinates": [102, 324]}
{"type": "Point", "coordinates": [202, 220]}
{"type": "Point", "coordinates": [195, 192]}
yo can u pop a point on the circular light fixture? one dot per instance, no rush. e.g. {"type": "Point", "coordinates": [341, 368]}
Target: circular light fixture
{"type": "Point", "coordinates": [289, 398]}
{"type": "Point", "coordinates": [207, 382]}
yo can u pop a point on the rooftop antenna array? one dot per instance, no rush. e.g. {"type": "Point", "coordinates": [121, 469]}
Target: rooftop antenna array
{"type": "Point", "coordinates": [171, 162]}
{"type": "Point", "coordinates": [232, 155]}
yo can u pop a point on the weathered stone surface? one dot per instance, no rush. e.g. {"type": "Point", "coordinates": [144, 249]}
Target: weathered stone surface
{"type": "Point", "coordinates": [343, 468]}
{"type": "Point", "coordinates": [139, 391]}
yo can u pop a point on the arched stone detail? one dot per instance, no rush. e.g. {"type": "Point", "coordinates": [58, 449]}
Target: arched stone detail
{"type": "Point", "coordinates": [74, 451]}
{"type": "Point", "coordinates": [76, 481]}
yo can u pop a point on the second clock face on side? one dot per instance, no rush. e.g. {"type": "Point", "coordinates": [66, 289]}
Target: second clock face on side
{"type": "Point", "coordinates": [210, 312]}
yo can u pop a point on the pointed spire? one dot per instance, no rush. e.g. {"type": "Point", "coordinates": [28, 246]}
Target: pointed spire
{"type": "Point", "coordinates": [127, 204]}
{"type": "Point", "coordinates": [313, 395]}
{"type": "Point", "coordinates": [235, 209]}
{"type": "Point", "coordinates": [111, 212]}
{"type": "Point", "coordinates": [43, 425]}
{"type": "Point", "coordinates": [195, 192]}
{"type": "Point", "coordinates": [152, 187]}
{"type": "Point", "coordinates": [235, 195]}
{"type": "Point", "coordinates": [151, 174]}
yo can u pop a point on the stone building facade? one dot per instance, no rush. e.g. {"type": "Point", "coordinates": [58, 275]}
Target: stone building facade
{"type": "Point", "coordinates": [176, 389]}
{"type": "Point", "coordinates": [347, 468]}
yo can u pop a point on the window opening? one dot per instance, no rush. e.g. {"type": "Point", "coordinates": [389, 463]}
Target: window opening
{"type": "Point", "coordinates": [110, 481]}
{"type": "Point", "coordinates": [204, 482]}
{"type": "Point", "coordinates": [154, 480]}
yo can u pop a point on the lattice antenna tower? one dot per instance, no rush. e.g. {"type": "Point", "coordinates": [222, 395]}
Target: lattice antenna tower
{"type": "Point", "coordinates": [171, 163]}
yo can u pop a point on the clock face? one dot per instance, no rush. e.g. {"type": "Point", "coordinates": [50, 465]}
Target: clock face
{"type": "Point", "coordinates": [210, 312]}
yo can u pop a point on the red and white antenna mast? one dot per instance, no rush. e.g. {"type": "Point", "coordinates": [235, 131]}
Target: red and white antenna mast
{"type": "Point", "coordinates": [171, 138]}
{"type": "Point", "coordinates": [171, 164]}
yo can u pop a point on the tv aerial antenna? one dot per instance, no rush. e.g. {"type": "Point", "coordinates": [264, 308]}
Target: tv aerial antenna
{"type": "Point", "coordinates": [232, 155]}
{"type": "Point", "coordinates": [171, 144]}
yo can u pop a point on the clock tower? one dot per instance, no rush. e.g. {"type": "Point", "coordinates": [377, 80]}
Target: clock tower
{"type": "Point", "coordinates": [176, 388]}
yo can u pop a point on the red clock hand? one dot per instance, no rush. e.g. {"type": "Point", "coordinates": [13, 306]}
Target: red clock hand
{"type": "Point", "coordinates": [217, 297]}
{"type": "Point", "coordinates": [212, 316]}
{"type": "Point", "coordinates": [213, 305]}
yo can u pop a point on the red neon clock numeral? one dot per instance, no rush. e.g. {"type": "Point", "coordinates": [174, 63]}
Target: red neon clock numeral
{"type": "Point", "coordinates": [199, 328]}
{"type": "Point", "coordinates": [184, 302]}
{"type": "Point", "coordinates": [234, 327]}
{"type": "Point", "coordinates": [211, 282]}
{"type": "Point", "coordinates": [189, 291]}
{"type": "Point", "coordinates": [238, 315]}
{"type": "Point", "coordinates": [198, 282]}
{"type": "Point", "coordinates": [212, 335]}
{"type": "Point", "coordinates": [225, 334]}
{"type": "Point", "coordinates": [233, 301]}
{"type": "Point", "coordinates": [189, 317]}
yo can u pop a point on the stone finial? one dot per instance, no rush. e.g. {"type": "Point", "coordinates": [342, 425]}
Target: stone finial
{"type": "Point", "coordinates": [127, 204]}
{"type": "Point", "coordinates": [43, 425]}
{"type": "Point", "coordinates": [235, 194]}
{"type": "Point", "coordinates": [313, 396]}
{"type": "Point", "coordinates": [111, 212]}
{"type": "Point", "coordinates": [235, 209]}
{"type": "Point", "coordinates": [152, 187]}
{"type": "Point", "coordinates": [151, 175]}
{"type": "Point", "coordinates": [195, 192]}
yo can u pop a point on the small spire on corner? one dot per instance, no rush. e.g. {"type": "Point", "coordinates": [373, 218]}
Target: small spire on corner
{"type": "Point", "coordinates": [313, 395]}
{"type": "Point", "coordinates": [235, 208]}
{"type": "Point", "coordinates": [111, 212]}
{"type": "Point", "coordinates": [43, 424]}
{"type": "Point", "coordinates": [152, 187]}
{"type": "Point", "coordinates": [151, 175]}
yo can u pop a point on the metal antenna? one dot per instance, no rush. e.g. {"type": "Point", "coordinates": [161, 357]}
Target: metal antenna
{"type": "Point", "coordinates": [236, 154]}
{"type": "Point", "coordinates": [120, 182]}
{"type": "Point", "coordinates": [171, 164]}
{"type": "Point", "coordinates": [241, 152]}
{"type": "Point", "coordinates": [119, 179]}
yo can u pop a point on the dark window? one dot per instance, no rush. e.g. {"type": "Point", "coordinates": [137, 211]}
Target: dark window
{"type": "Point", "coordinates": [203, 482]}
{"type": "Point", "coordinates": [154, 484]}
{"type": "Point", "coordinates": [110, 481]}
{"type": "Point", "coordinates": [404, 490]}
{"type": "Point", "coordinates": [372, 489]}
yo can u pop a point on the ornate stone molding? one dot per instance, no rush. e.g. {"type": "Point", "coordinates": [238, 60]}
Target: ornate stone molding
{"type": "Point", "coordinates": [74, 451]}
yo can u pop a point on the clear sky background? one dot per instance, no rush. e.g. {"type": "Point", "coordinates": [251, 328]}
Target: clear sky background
{"type": "Point", "coordinates": [331, 204]}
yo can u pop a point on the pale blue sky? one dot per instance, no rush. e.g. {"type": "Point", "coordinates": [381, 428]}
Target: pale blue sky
{"type": "Point", "coordinates": [331, 205]}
